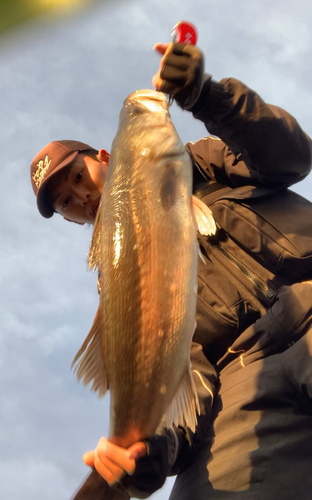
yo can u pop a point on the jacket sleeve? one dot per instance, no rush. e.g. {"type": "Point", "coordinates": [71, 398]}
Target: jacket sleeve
{"type": "Point", "coordinates": [261, 143]}
{"type": "Point", "coordinates": [290, 319]}
{"type": "Point", "coordinates": [297, 360]}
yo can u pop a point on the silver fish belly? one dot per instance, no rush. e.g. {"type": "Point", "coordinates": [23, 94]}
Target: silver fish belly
{"type": "Point", "coordinates": [145, 247]}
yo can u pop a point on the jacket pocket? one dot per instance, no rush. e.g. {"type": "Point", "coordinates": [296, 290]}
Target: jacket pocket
{"type": "Point", "coordinates": [222, 313]}
{"type": "Point", "coordinates": [275, 230]}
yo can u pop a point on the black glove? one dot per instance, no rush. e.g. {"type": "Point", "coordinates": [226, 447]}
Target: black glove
{"type": "Point", "coordinates": [152, 470]}
{"type": "Point", "coordinates": [183, 74]}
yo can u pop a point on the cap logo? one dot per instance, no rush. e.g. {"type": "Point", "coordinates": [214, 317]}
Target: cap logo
{"type": "Point", "coordinates": [43, 166]}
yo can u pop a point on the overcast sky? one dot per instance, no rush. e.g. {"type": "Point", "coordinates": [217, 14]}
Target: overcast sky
{"type": "Point", "coordinates": [67, 79]}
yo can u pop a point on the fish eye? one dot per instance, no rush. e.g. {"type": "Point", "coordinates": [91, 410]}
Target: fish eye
{"type": "Point", "coordinates": [134, 107]}
{"type": "Point", "coordinates": [136, 110]}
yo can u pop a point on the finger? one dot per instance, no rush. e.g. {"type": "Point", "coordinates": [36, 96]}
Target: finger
{"type": "Point", "coordinates": [172, 74]}
{"type": "Point", "coordinates": [161, 47]}
{"type": "Point", "coordinates": [108, 470]}
{"type": "Point", "coordinates": [157, 81]}
{"type": "Point", "coordinates": [164, 49]}
{"type": "Point", "coordinates": [137, 450]}
{"type": "Point", "coordinates": [165, 86]}
{"type": "Point", "coordinates": [168, 75]}
{"type": "Point", "coordinates": [115, 454]}
{"type": "Point", "coordinates": [178, 62]}
{"type": "Point", "coordinates": [170, 88]}
{"type": "Point", "coordinates": [88, 458]}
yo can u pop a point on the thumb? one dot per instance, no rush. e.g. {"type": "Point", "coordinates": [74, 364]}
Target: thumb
{"type": "Point", "coordinates": [88, 458]}
{"type": "Point", "coordinates": [137, 450]}
{"type": "Point", "coordinates": [161, 47]}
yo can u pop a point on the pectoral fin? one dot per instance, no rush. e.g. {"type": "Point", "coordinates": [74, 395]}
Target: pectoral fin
{"type": "Point", "coordinates": [91, 367]}
{"type": "Point", "coordinates": [203, 218]}
{"type": "Point", "coordinates": [184, 407]}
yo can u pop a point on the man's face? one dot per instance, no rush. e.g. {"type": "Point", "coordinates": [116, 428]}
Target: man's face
{"type": "Point", "coordinates": [76, 190]}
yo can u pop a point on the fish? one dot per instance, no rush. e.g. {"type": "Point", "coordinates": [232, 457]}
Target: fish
{"type": "Point", "coordinates": [145, 248]}
{"type": "Point", "coordinates": [96, 488]}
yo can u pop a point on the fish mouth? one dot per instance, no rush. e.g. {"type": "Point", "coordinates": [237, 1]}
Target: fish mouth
{"type": "Point", "coordinates": [152, 100]}
{"type": "Point", "coordinates": [147, 94]}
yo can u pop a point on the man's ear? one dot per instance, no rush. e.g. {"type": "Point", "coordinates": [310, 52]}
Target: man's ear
{"type": "Point", "coordinates": [69, 220]}
{"type": "Point", "coordinates": [103, 155]}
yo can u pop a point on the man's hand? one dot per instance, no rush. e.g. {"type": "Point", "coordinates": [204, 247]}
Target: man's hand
{"type": "Point", "coordinates": [139, 470]}
{"type": "Point", "coordinates": [114, 462]}
{"type": "Point", "coordinates": [181, 73]}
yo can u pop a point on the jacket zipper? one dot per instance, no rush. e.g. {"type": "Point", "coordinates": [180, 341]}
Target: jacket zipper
{"type": "Point", "coordinates": [262, 286]}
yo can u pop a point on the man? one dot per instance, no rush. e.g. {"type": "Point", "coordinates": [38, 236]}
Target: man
{"type": "Point", "coordinates": [75, 188]}
{"type": "Point", "coordinates": [259, 152]}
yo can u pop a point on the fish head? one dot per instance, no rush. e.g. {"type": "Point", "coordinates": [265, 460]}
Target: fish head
{"type": "Point", "coordinates": [146, 125]}
{"type": "Point", "coordinates": [146, 101]}
{"type": "Point", "coordinates": [143, 110]}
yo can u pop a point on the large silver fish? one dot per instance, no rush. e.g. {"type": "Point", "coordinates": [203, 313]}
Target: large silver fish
{"type": "Point", "coordinates": [144, 245]}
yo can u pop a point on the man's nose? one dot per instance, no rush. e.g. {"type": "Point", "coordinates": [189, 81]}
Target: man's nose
{"type": "Point", "coordinates": [81, 194]}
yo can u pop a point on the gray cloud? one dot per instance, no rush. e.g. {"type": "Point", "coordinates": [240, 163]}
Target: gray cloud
{"type": "Point", "coordinates": [67, 78]}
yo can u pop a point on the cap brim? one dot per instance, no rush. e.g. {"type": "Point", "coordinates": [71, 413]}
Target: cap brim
{"type": "Point", "coordinates": [44, 206]}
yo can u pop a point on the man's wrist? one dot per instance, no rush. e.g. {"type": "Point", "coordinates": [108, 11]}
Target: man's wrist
{"type": "Point", "coordinates": [203, 95]}
{"type": "Point", "coordinates": [173, 447]}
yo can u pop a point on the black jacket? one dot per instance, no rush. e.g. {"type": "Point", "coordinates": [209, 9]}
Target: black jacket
{"type": "Point", "coordinates": [260, 231]}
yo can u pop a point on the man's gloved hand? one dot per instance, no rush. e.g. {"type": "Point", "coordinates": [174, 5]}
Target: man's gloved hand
{"type": "Point", "coordinates": [181, 73]}
{"type": "Point", "coordinates": [139, 470]}
{"type": "Point", "coordinates": [152, 469]}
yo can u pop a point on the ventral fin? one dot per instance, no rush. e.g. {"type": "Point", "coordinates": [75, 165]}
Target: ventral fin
{"type": "Point", "coordinates": [184, 408]}
{"type": "Point", "coordinates": [89, 362]}
{"type": "Point", "coordinates": [203, 218]}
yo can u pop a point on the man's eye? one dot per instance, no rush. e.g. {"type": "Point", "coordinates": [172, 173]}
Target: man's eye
{"type": "Point", "coordinates": [66, 202]}
{"type": "Point", "coordinates": [78, 177]}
